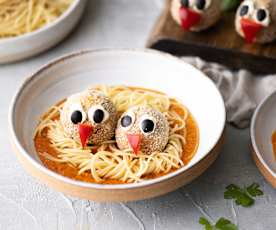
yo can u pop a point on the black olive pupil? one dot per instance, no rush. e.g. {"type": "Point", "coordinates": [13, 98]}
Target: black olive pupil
{"type": "Point", "coordinates": [76, 117]}
{"type": "Point", "coordinates": [98, 116]}
{"type": "Point", "coordinates": [200, 4]}
{"type": "Point", "coordinates": [185, 3]}
{"type": "Point", "coordinates": [147, 126]}
{"type": "Point", "coordinates": [261, 15]}
{"type": "Point", "coordinates": [244, 10]}
{"type": "Point", "coordinates": [126, 121]}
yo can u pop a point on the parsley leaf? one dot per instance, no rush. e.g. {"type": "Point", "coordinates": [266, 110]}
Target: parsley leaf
{"type": "Point", "coordinates": [254, 190]}
{"type": "Point", "coordinates": [203, 221]}
{"type": "Point", "coordinates": [238, 194]}
{"type": "Point", "coordinates": [243, 196]}
{"type": "Point", "coordinates": [222, 224]}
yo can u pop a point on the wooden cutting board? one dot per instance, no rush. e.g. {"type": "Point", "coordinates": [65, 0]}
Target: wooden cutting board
{"type": "Point", "coordinates": [219, 44]}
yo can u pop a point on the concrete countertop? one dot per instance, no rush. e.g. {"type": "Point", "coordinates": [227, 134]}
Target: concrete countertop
{"type": "Point", "coordinates": [26, 204]}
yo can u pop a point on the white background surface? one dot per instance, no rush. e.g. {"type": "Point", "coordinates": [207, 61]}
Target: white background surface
{"type": "Point", "coordinates": [26, 204]}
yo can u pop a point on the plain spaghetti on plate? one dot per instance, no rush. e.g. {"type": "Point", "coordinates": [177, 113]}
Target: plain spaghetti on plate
{"type": "Point", "coordinates": [116, 134]}
{"type": "Point", "coordinates": [19, 17]}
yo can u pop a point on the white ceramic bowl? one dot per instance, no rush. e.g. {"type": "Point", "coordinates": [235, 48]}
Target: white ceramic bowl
{"type": "Point", "coordinates": [149, 69]}
{"type": "Point", "coordinates": [30, 44]}
{"type": "Point", "coordinates": [263, 125]}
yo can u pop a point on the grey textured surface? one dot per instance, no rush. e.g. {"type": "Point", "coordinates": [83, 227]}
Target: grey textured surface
{"type": "Point", "coordinates": [26, 204]}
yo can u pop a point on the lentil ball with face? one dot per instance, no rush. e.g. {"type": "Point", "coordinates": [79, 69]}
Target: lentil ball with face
{"type": "Point", "coordinates": [255, 21]}
{"type": "Point", "coordinates": [196, 15]}
{"type": "Point", "coordinates": [142, 129]}
{"type": "Point", "coordinates": [89, 117]}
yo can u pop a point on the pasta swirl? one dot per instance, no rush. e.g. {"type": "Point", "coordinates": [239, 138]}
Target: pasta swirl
{"type": "Point", "coordinates": [18, 17]}
{"type": "Point", "coordinates": [109, 162]}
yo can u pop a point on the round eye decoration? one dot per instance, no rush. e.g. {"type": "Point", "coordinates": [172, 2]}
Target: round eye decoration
{"type": "Point", "coordinates": [98, 114]}
{"type": "Point", "coordinates": [127, 120]}
{"type": "Point", "coordinates": [262, 17]}
{"type": "Point", "coordinates": [201, 5]}
{"type": "Point", "coordinates": [147, 125]}
{"type": "Point", "coordinates": [185, 3]}
{"type": "Point", "coordinates": [77, 114]}
{"type": "Point", "coordinates": [246, 9]}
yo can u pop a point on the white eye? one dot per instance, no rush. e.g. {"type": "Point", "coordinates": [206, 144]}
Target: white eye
{"type": "Point", "coordinates": [201, 5]}
{"type": "Point", "coordinates": [76, 114]}
{"type": "Point", "coordinates": [147, 124]}
{"type": "Point", "coordinates": [97, 114]}
{"type": "Point", "coordinates": [127, 120]}
{"type": "Point", "coordinates": [262, 17]}
{"type": "Point", "coordinates": [185, 3]}
{"type": "Point", "coordinates": [246, 9]}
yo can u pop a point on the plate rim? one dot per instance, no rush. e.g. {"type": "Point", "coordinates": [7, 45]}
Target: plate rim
{"type": "Point", "coordinates": [70, 181]}
{"type": "Point", "coordinates": [42, 29]}
{"type": "Point", "coordinates": [255, 147]}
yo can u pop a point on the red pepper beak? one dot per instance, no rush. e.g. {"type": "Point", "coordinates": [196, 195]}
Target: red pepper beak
{"type": "Point", "coordinates": [189, 18]}
{"type": "Point", "coordinates": [84, 132]}
{"type": "Point", "coordinates": [134, 141]}
{"type": "Point", "coordinates": [250, 29]}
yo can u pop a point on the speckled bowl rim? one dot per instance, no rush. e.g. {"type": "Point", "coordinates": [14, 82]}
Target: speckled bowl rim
{"type": "Point", "coordinates": [72, 7]}
{"type": "Point", "coordinates": [63, 179]}
{"type": "Point", "coordinates": [253, 137]}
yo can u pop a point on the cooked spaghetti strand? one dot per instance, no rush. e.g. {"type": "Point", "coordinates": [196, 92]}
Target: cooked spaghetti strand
{"type": "Point", "coordinates": [18, 17]}
{"type": "Point", "coordinates": [109, 162]}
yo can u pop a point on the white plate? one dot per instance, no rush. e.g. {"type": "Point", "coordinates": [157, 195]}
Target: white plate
{"type": "Point", "coordinates": [262, 127]}
{"type": "Point", "coordinates": [149, 69]}
{"type": "Point", "coordinates": [30, 44]}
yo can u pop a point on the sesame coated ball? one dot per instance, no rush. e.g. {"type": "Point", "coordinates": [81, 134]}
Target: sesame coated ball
{"type": "Point", "coordinates": [150, 125]}
{"type": "Point", "coordinates": [208, 11]}
{"type": "Point", "coordinates": [93, 109]}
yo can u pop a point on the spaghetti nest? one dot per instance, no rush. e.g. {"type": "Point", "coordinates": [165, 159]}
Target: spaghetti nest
{"type": "Point", "coordinates": [109, 162]}
{"type": "Point", "coordinates": [23, 16]}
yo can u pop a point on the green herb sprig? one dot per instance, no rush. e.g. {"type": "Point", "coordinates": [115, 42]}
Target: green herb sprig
{"type": "Point", "coordinates": [243, 196]}
{"type": "Point", "coordinates": [221, 224]}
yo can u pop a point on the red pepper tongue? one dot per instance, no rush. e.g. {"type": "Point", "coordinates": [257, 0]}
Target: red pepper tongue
{"type": "Point", "coordinates": [250, 29]}
{"type": "Point", "coordinates": [134, 140]}
{"type": "Point", "coordinates": [84, 132]}
{"type": "Point", "coordinates": [188, 18]}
